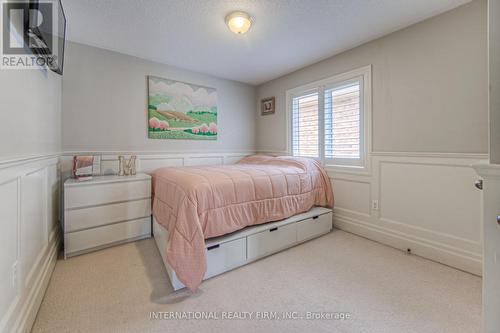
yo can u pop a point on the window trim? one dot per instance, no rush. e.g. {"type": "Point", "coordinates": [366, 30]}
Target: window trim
{"type": "Point", "coordinates": [339, 165]}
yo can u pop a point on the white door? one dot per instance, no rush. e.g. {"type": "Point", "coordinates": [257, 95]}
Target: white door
{"type": "Point", "coordinates": [491, 254]}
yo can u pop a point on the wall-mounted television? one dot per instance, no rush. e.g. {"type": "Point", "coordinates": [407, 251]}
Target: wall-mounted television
{"type": "Point", "coordinates": [46, 32]}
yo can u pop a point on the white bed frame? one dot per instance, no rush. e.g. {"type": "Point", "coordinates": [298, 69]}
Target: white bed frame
{"type": "Point", "coordinates": [252, 243]}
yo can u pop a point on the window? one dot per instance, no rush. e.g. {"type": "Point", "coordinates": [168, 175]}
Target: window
{"type": "Point", "coordinates": [330, 119]}
{"type": "Point", "coordinates": [306, 125]}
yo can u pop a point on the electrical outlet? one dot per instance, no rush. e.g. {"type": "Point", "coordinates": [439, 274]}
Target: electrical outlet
{"type": "Point", "coordinates": [13, 276]}
{"type": "Point", "coordinates": [375, 204]}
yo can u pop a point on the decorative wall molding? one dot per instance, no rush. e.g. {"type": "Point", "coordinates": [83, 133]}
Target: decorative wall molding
{"type": "Point", "coordinates": [28, 309]}
{"type": "Point", "coordinates": [29, 197]}
{"type": "Point", "coordinates": [478, 156]}
{"type": "Point", "coordinates": [425, 202]}
{"type": "Point", "coordinates": [25, 159]}
{"type": "Point", "coordinates": [487, 170]}
{"type": "Point", "coordinates": [158, 153]}
{"type": "Point", "coordinates": [454, 257]}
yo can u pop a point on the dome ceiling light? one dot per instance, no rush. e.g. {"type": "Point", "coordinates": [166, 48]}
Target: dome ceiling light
{"type": "Point", "coordinates": [238, 22]}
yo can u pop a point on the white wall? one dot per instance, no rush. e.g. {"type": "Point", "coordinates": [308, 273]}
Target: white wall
{"type": "Point", "coordinates": [30, 113]}
{"type": "Point", "coordinates": [30, 110]}
{"type": "Point", "coordinates": [494, 79]}
{"type": "Point", "coordinates": [429, 86]}
{"type": "Point", "coordinates": [105, 105]}
{"type": "Point", "coordinates": [430, 123]}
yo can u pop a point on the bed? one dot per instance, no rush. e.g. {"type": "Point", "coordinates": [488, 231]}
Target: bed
{"type": "Point", "coordinates": [196, 209]}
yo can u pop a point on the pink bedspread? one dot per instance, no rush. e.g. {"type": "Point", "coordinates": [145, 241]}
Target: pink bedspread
{"type": "Point", "coordinates": [196, 203]}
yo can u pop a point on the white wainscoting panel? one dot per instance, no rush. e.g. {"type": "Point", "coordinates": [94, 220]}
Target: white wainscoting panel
{"type": "Point", "coordinates": [352, 196]}
{"type": "Point", "coordinates": [34, 233]}
{"type": "Point", "coordinates": [438, 201]}
{"type": "Point", "coordinates": [426, 203]}
{"type": "Point", "coordinates": [29, 191]}
{"type": "Point", "coordinates": [8, 239]}
{"type": "Point", "coordinates": [52, 198]}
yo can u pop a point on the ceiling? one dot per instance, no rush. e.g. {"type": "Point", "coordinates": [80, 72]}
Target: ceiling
{"type": "Point", "coordinates": [286, 35]}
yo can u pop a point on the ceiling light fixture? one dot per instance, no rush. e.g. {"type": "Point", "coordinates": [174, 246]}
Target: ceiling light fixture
{"type": "Point", "coordinates": [238, 22]}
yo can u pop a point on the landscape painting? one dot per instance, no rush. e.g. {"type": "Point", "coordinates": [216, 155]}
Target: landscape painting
{"type": "Point", "coordinates": [179, 110]}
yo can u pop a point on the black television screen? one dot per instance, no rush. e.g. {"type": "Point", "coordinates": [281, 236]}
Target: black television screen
{"type": "Point", "coordinates": [47, 32]}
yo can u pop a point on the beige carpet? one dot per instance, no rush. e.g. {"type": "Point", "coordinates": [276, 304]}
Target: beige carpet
{"type": "Point", "coordinates": [383, 290]}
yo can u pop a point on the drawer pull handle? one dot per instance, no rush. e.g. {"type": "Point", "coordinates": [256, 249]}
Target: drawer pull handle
{"type": "Point", "coordinates": [315, 217]}
{"type": "Point", "coordinates": [273, 229]}
{"type": "Point", "coordinates": [212, 247]}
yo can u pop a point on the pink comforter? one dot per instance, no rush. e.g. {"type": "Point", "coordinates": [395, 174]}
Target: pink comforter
{"type": "Point", "coordinates": [196, 203]}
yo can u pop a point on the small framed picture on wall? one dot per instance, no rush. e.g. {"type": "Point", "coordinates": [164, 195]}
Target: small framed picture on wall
{"type": "Point", "coordinates": [267, 106]}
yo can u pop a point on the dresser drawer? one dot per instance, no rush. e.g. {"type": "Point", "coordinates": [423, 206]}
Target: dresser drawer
{"type": "Point", "coordinates": [314, 227]}
{"type": "Point", "coordinates": [83, 218]}
{"type": "Point", "coordinates": [225, 256]}
{"type": "Point", "coordinates": [78, 241]}
{"type": "Point", "coordinates": [271, 240]}
{"type": "Point", "coordinates": [99, 194]}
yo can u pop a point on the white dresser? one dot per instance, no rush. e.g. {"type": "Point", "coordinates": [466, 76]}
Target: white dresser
{"type": "Point", "coordinates": [105, 211]}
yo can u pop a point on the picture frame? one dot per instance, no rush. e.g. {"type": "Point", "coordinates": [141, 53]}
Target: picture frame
{"type": "Point", "coordinates": [181, 110]}
{"type": "Point", "coordinates": [267, 106]}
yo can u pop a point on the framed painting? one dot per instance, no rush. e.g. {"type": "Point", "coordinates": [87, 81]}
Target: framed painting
{"type": "Point", "coordinates": [267, 106]}
{"type": "Point", "coordinates": [179, 110]}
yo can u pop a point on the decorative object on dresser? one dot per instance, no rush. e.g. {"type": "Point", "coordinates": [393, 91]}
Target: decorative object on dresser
{"type": "Point", "coordinates": [105, 211]}
{"type": "Point", "coordinates": [267, 106]}
{"type": "Point", "coordinates": [84, 167]}
{"type": "Point", "coordinates": [127, 167]}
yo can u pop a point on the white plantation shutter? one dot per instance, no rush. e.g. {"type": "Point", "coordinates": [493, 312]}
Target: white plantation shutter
{"type": "Point", "coordinates": [329, 121]}
{"type": "Point", "coordinates": [343, 122]}
{"type": "Point", "coordinates": [305, 125]}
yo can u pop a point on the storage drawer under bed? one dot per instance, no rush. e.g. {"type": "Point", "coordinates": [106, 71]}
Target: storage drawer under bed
{"type": "Point", "coordinates": [313, 227]}
{"type": "Point", "coordinates": [270, 241]}
{"type": "Point", "coordinates": [225, 256]}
